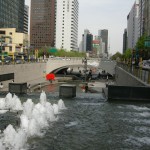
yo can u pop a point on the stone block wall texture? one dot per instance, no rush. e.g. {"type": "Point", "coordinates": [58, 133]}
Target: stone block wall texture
{"type": "Point", "coordinates": [123, 78]}
{"type": "Point", "coordinates": [31, 73]}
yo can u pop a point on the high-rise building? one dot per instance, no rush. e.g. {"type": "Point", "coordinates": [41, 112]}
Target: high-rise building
{"type": "Point", "coordinates": [132, 25]}
{"type": "Point", "coordinates": [102, 45]}
{"type": "Point", "coordinates": [26, 18]}
{"type": "Point", "coordinates": [125, 40]}
{"type": "Point", "coordinates": [87, 41]}
{"type": "Point", "coordinates": [42, 23]}
{"type": "Point", "coordinates": [12, 14]}
{"type": "Point", "coordinates": [146, 17]}
{"type": "Point", "coordinates": [84, 41]}
{"type": "Point", "coordinates": [141, 19]}
{"type": "Point", "coordinates": [67, 24]}
{"type": "Point", "coordinates": [104, 35]}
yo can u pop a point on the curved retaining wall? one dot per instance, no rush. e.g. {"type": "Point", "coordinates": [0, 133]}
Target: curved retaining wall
{"type": "Point", "coordinates": [31, 73]}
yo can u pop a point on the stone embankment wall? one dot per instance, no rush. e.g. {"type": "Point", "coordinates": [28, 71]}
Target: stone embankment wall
{"type": "Point", "coordinates": [31, 73]}
{"type": "Point", "coordinates": [123, 78]}
{"type": "Point", "coordinates": [127, 87]}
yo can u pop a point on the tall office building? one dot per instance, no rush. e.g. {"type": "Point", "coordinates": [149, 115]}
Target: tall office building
{"type": "Point", "coordinates": [87, 41]}
{"type": "Point", "coordinates": [146, 17]}
{"type": "Point", "coordinates": [26, 18]}
{"type": "Point", "coordinates": [141, 19]}
{"type": "Point", "coordinates": [67, 24]}
{"type": "Point", "coordinates": [125, 38]}
{"type": "Point", "coordinates": [42, 23]}
{"type": "Point", "coordinates": [12, 14]}
{"type": "Point", "coordinates": [132, 26]}
{"type": "Point", "coordinates": [104, 35]}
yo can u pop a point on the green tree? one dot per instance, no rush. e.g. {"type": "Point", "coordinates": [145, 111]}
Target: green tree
{"type": "Point", "coordinates": [128, 54]}
{"type": "Point", "coordinates": [60, 53]}
{"type": "Point", "coordinates": [116, 56]}
{"type": "Point", "coordinates": [141, 42]}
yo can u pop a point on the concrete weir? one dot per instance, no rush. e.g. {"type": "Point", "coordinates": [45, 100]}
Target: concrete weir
{"type": "Point", "coordinates": [136, 93]}
{"type": "Point", "coordinates": [67, 91]}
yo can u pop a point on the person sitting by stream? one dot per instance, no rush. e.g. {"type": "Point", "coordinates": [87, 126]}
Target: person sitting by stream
{"type": "Point", "coordinates": [86, 87]}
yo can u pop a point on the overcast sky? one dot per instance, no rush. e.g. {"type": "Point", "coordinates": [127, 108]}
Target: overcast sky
{"type": "Point", "coordinates": [104, 14]}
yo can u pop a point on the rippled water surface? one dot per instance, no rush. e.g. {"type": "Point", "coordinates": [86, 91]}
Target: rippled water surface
{"type": "Point", "coordinates": [91, 123]}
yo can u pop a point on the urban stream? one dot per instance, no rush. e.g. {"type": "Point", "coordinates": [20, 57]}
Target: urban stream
{"type": "Point", "coordinates": [89, 122]}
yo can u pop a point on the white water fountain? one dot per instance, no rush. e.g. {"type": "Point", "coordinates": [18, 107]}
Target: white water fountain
{"type": "Point", "coordinates": [33, 119]}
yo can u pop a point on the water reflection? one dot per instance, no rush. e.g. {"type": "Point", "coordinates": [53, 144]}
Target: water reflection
{"type": "Point", "coordinates": [50, 88]}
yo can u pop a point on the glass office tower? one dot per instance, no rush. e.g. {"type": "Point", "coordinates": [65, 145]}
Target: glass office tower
{"type": "Point", "coordinates": [12, 14]}
{"type": "Point", "coordinates": [42, 23]}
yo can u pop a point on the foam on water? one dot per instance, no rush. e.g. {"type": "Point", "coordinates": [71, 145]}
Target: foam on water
{"type": "Point", "coordinates": [33, 119]}
{"type": "Point", "coordinates": [139, 141]}
{"type": "Point", "coordinates": [145, 114]}
{"type": "Point", "coordinates": [92, 104]}
{"type": "Point", "coordinates": [138, 108]}
{"type": "Point", "coordinates": [74, 123]}
{"type": "Point", "coordinates": [142, 129]}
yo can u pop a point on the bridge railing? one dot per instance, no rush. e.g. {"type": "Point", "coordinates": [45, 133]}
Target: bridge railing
{"type": "Point", "coordinates": [72, 58]}
{"type": "Point", "coordinates": [138, 72]}
{"type": "Point", "coordinates": [22, 61]}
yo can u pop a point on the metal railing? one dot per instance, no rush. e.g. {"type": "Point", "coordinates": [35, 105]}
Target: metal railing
{"type": "Point", "coordinates": [136, 71]}
{"type": "Point", "coordinates": [22, 61]}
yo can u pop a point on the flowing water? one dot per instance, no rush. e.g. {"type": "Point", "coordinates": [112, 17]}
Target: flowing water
{"type": "Point", "coordinates": [89, 122]}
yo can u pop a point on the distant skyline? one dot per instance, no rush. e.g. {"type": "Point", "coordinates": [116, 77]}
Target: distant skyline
{"type": "Point", "coordinates": [104, 14]}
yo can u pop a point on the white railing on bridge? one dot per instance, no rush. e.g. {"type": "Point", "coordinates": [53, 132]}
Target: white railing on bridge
{"type": "Point", "coordinates": [58, 62]}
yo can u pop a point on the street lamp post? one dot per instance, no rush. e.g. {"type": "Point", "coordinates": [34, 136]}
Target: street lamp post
{"type": "Point", "coordinates": [85, 67]}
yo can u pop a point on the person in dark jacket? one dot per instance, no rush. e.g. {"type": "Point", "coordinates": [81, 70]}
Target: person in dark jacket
{"type": "Point", "coordinates": [86, 87]}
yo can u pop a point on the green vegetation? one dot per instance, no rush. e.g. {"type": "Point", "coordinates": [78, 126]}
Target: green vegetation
{"type": "Point", "coordinates": [116, 56]}
{"type": "Point", "coordinates": [141, 42]}
{"type": "Point", "coordinates": [126, 57]}
{"type": "Point", "coordinates": [127, 54]}
{"type": "Point", "coordinates": [59, 53]}
{"type": "Point", "coordinates": [142, 50]}
{"type": "Point", "coordinates": [143, 47]}
{"type": "Point", "coordinates": [63, 53]}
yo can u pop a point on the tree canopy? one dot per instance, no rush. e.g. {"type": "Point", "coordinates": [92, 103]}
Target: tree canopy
{"type": "Point", "coordinates": [141, 42]}
{"type": "Point", "coordinates": [60, 53]}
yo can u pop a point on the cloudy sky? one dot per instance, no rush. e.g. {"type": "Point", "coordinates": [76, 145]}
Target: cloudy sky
{"type": "Point", "coordinates": [104, 14]}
